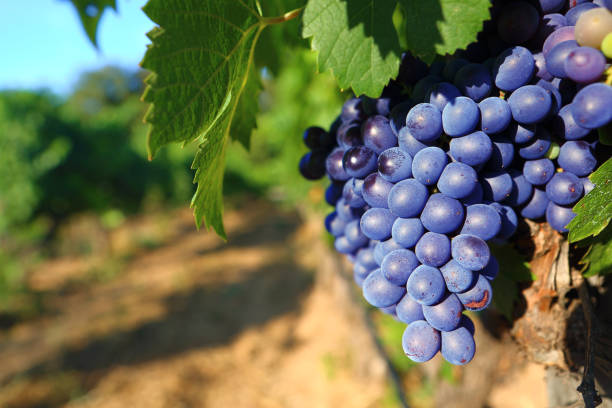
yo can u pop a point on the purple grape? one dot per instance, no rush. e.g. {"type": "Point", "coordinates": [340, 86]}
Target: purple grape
{"type": "Point", "coordinates": [433, 249]}
{"type": "Point", "coordinates": [536, 148]}
{"type": "Point", "coordinates": [470, 251]}
{"type": "Point", "coordinates": [353, 234]}
{"type": "Point", "coordinates": [394, 165]}
{"type": "Point", "coordinates": [495, 115]}
{"type": "Point", "coordinates": [588, 185]}
{"type": "Point", "coordinates": [574, 13]}
{"type": "Point", "coordinates": [408, 143]}
{"type": "Point", "coordinates": [482, 221]}
{"type": "Point", "coordinates": [379, 292]}
{"type": "Point", "coordinates": [312, 165]}
{"type": "Point", "coordinates": [558, 36]}
{"type": "Point", "coordinates": [311, 137]}
{"type": "Point", "coordinates": [509, 221]}
{"type": "Point", "coordinates": [458, 180]}
{"type": "Point", "coordinates": [540, 67]}
{"type": "Point", "coordinates": [446, 315]}
{"type": "Point", "coordinates": [360, 272]}
{"type": "Point", "coordinates": [474, 81]}
{"type": "Point", "coordinates": [334, 224]}
{"type": "Point", "coordinates": [592, 106]}
{"type": "Point", "coordinates": [352, 193]}
{"type": "Point", "coordinates": [564, 189]}
{"type": "Point", "coordinates": [442, 93]}
{"type": "Point", "coordinates": [349, 135]}
{"type": "Point", "coordinates": [397, 117]}
{"type": "Point", "coordinates": [457, 346]}
{"type": "Point", "coordinates": [513, 68]}
{"type": "Point", "coordinates": [521, 189]}
{"type": "Point", "coordinates": [420, 88]}
{"type": "Point", "coordinates": [346, 212]}
{"type": "Point", "coordinates": [408, 310]}
{"type": "Point", "coordinates": [474, 149]}
{"type": "Point", "coordinates": [555, 59]}
{"type": "Point", "coordinates": [585, 65]}
{"type": "Point", "coordinates": [359, 161]}
{"type": "Point", "coordinates": [576, 157]}
{"type": "Point", "coordinates": [407, 198]}
{"type": "Point", "coordinates": [460, 116]}
{"type": "Point", "coordinates": [451, 68]}
{"type": "Point", "coordinates": [479, 296]}
{"type": "Point", "coordinates": [536, 207]}
{"type": "Point", "coordinates": [426, 285]}
{"type": "Point", "coordinates": [424, 121]}
{"type": "Point", "coordinates": [333, 193]}
{"type": "Point", "coordinates": [555, 96]}
{"type": "Point", "coordinates": [491, 270]}
{"type": "Point", "coordinates": [334, 167]}
{"type": "Point", "coordinates": [381, 249]}
{"type": "Point", "coordinates": [457, 278]}
{"type": "Point", "coordinates": [420, 341]}
{"type": "Point", "coordinates": [376, 190]}
{"type": "Point", "coordinates": [517, 22]}
{"type": "Point", "coordinates": [407, 231]}
{"type": "Point", "coordinates": [397, 266]}
{"type": "Point", "coordinates": [564, 124]}
{"type": "Point", "coordinates": [365, 257]}
{"type": "Point", "coordinates": [344, 246]}
{"type": "Point", "coordinates": [496, 186]}
{"type": "Point", "coordinates": [442, 214]}
{"type": "Point", "coordinates": [521, 134]}
{"type": "Point", "coordinates": [530, 104]}
{"type": "Point", "coordinates": [377, 134]}
{"type": "Point", "coordinates": [502, 154]}
{"type": "Point", "coordinates": [558, 216]}
{"type": "Point", "coordinates": [352, 110]}
{"type": "Point", "coordinates": [550, 6]}
{"type": "Point", "coordinates": [376, 223]}
{"type": "Point", "coordinates": [538, 172]}
{"type": "Point", "coordinates": [475, 197]}
{"type": "Point", "coordinates": [428, 164]}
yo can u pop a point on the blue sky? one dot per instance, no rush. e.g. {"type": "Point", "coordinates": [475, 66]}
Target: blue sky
{"type": "Point", "coordinates": [42, 43]}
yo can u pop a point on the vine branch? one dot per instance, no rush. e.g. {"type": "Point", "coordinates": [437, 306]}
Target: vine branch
{"type": "Point", "coordinates": [290, 15]}
{"type": "Point", "coordinates": [587, 386]}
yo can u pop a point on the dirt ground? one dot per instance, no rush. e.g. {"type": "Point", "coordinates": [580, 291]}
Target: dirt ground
{"type": "Point", "coordinates": [171, 317]}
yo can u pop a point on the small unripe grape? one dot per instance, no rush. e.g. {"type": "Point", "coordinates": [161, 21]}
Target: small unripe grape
{"type": "Point", "coordinates": [593, 26]}
{"type": "Point", "coordinates": [606, 45]}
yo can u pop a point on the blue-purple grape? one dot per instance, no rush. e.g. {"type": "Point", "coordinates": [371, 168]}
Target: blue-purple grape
{"type": "Point", "coordinates": [564, 189]}
{"type": "Point", "coordinates": [482, 221]}
{"type": "Point", "coordinates": [377, 134]}
{"type": "Point", "coordinates": [442, 214]}
{"type": "Point", "coordinates": [470, 251]}
{"type": "Point", "coordinates": [407, 231]}
{"type": "Point", "coordinates": [460, 116]}
{"type": "Point", "coordinates": [420, 341]}
{"type": "Point", "coordinates": [376, 190]}
{"type": "Point", "coordinates": [379, 292]}
{"type": "Point", "coordinates": [433, 249]}
{"type": "Point", "coordinates": [424, 121]}
{"type": "Point", "coordinates": [457, 346]}
{"type": "Point", "coordinates": [576, 157]}
{"type": "Point", "coordinates": [376, 223]}
{"type": "Point", "coordinates": [536, 206]}
{"type": "Point", "coordinates": [495, 115]}
{"type": "Point", "coordinates": [458, 180]}
{"type": "Point", "coordinates": [479, 296]}
{"type": "Point", "coordinates": [426, 285]}
{"type": "Point", "coordinates": [407, 198]}
{"type": "Point", "coordinates": [428, 164]}
{"type": "Point", "coordinates": [397, 266]}
{"type": "Point", "coordinates": [473, 149]}
{"type": "Point", "coordinates": [408, 310]}
{"type": "Point", "coordinates": [395, 164]}
{"type": "Point", "coordinates": [445, 315]}
{"type": "Point", "coordinates": [558, 216]}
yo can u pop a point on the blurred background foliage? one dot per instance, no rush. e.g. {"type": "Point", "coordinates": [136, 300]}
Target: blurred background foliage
{"type": "Point", "coordinates": [85, 154]}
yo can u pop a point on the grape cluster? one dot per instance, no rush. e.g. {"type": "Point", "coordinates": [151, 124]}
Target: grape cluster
{"type": "Point", "coordinates": [452, 154]}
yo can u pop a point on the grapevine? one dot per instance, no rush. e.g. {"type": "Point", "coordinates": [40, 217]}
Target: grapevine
{"type": "Point", "coordinates": [452, 155]}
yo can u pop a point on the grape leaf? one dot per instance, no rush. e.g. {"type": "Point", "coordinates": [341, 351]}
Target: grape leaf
{"type": "Point", "coordinates": [90, 12]}
{"type": "Point", "coordinates": [598, 258]}
{"type": "Point", "coordinates": [201, 59]}
{"type": "Point", "coordinates": [356, 40]}
{"type": "Point", "coordinates": [593, 211]}
{"type": "Point", "coordinates": [512, 269]}
{"type": "Point", "coordinates": [443, 26]}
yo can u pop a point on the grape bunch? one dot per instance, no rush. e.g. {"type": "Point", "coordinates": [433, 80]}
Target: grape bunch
{"type": "Point", "coordinates": [452, 154]}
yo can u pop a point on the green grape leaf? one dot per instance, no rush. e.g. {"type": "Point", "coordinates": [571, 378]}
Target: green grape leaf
{"type": "Point", "coordinates": [605, 134]}
{"type": "Point", "coordinates": [356, 40]}
{"type": "Point", "coordinates": [202, 86]}
{"type": "Point", "coordinates": [443, 26]}
{"type": "Point", "coordinates": [598, 258]}
{"type": "Point", "coordinates": [513, 269]}
{"type": "Point", "coordinates": [593, 211]}
{"type": "Point", "coordinates": [90, 12]}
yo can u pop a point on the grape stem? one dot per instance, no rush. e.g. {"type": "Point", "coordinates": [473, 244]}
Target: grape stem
{"type": "Point", "coordinates": [290, 15]}
{"type": "Point", "coordinates": [587, 386]}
